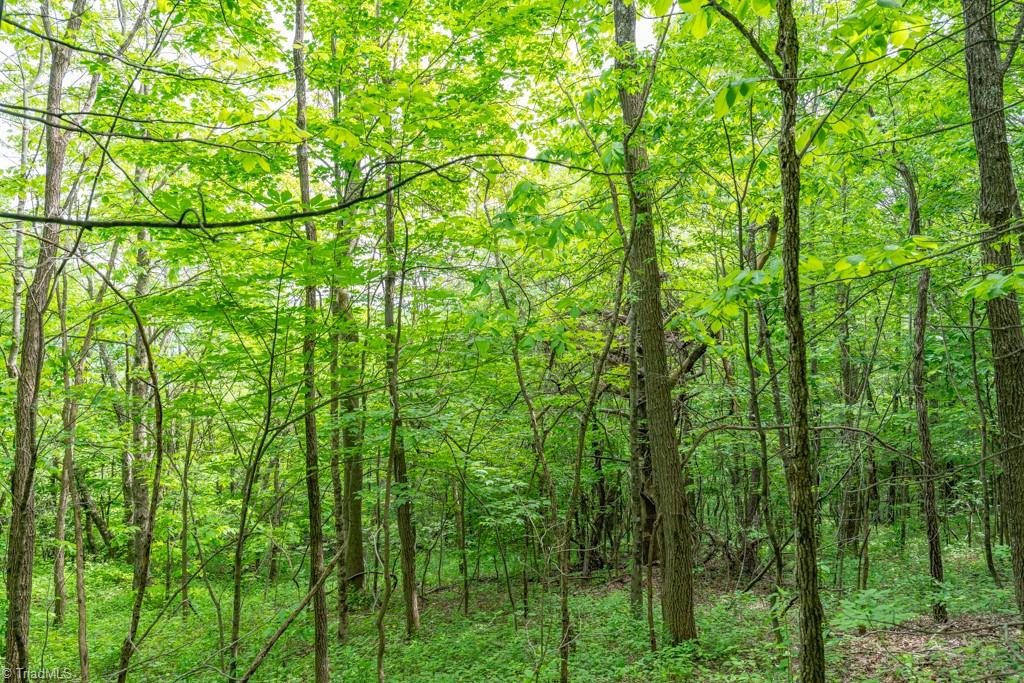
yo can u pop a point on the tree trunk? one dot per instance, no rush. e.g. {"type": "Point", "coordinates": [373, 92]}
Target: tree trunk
{"type": "Point", "coordinates": [186, 605]}
{"type": "Point", "coordinates": [276, 513]}
{"type": "Point", "coordinates": [393, 325]}
{"type": "Point", "coordinates": [316, 541]}
{"type": "Point", "coordinates": [929, 473]}
{"type": "Point", "coordinates": [144, 557]}
{"type": "Point", "coordinates": [18, 272]}
{"type": "Point", "coordinates": [986, 512]}
{"type": "Point", "coordinates": [999, 210]}
{"type": "Point", "coordinates": [338, 301]}
{"type": "Point", "coordinates": [83, 615]}
{"type": "Point", "coordinates": [138, 400]}
{"type": "Point", "coordinates": [850, 508]}
{"type": "Point", "coordinates": [69, 418]}
{"type": "Point", "coordinates": [670, 488]}
{"type": "Point", "coordinates": [73, 377]}
{"type": "Point", "coordinates": [353, 567]}
{"type": "Point", "coordinates": [18, 276]}
{"type": "Point", "coordinates": [637, 456]}
{"type": "Point", "coordinates": [121, 412]}
{"type": "Point", "coordinates": [22, 531]}
{"type": "Point", "coordinates": [799, 468]}
{"type": "Point", "coordinates": [93, 513]}
{"type": "Point", "coordinates": [460, 523]}
{"type": "Point", "coordinates": [758, 500]}
{"type": "Point", "coordinates": [343, 443]}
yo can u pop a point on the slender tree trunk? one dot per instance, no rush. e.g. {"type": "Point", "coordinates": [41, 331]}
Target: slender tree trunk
{"type": "Point", "coordinates": [341, 442]}
{"type": "Point", "coordinates": [122, 413]}
{"type": "Point", "coordinates": [69, 417]}
{"type": "Point", "coordinates": [757, 500]}
{"type": "Point", "coordinates": [652, 635]}
{"type": "Point", "coordinates": [94, 514]}
{"type": "Point", "coordinates": [83, 615]}
{"type": "Point", "coordinates": [460, 523]}
{"type": "Point", "coordinates": [18, 272]}
{"type": "Point", "coordinates": [929, 473]}
{"type": "Point", "coordinates": [384, 564]}
{"type": "Point", "coordinates": [186, 502]}
{"type": "Point", "coordinates": [983, 464]}
{"type": "Point", "coordinates": [670, 486]}
{"type": "Point", "coordinates": [275, 522]}
{"type": "Point", "coordinates": [252, 472]}
{"type": "Point", "coordinates": [637, 456]}
{"type": "Point", "coordinates": [581, 445]}
{"type": "Point", "coordinates": [316, 541]}
{"type": "Point", "coordinates": [138, 401]}
{"type": "Point", "coordinates": [353, 567]}
{"type": "Point", "coordinates": [393, 325]}
{"type": "Point", "coordinates": [337, 454]}
{"type": "Point", "coordinates": [850, 508]}
{"type": "Point", "coordinates": [18, 276]}
{"type": "Point", "coordinates": [73, 377]}
{"type": "Point", "coordinates": [129, 645]}
{"type": "Point", "coordinates": [22, 531]}
{"type": "Point", "coordinates": [999, 210]}
{"type": "Point", "coordinates": [800, 469]}
{"type": "Point", "coordinates": [243, 531]}
{"type": "Point", "coordinates": [289, 620]}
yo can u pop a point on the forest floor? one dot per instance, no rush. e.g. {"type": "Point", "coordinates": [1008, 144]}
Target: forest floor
{"type": "Point", "coordinates": [880, 634]}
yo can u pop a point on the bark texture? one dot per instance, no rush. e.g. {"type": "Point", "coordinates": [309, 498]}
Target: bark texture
{"type": "Point", "coordinates": [312, 448]}
{"type": "Point", "coordinates": [929, 472]}
{"type": "Point", "coordinates": [22, 530]}
{"type": "Point", "coordinates": [670, 488]}
{"type": "Point", "coordinates": [799, 467]}
{"type": "Point", "coordinates": [999, 210]}
{"type": "Point", "coordinates": [393, 325]}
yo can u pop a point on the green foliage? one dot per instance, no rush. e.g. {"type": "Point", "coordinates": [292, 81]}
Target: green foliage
{"type": "Point", "coordinates": [489, 133]}
{"type": "Point", "coordinates": [873, 608]}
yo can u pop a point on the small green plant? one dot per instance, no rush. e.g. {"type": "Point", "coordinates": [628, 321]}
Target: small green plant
{"type": "Point", "coordinates": [871, 608]}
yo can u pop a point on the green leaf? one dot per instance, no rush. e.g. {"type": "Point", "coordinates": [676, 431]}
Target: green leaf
{"type": "Point", "coordinates": [924, 242]}
{"type": "Point", "coordinates": [812, 264]}
{"type": "Point", "coordinates": [341, 136]}
{"type": "Point", "coordinates": [721, 103]}
{"type": "Point", "coordinates": [841, 127]}
{"type": "Point", "coordinates": [700, 24]}
{"type": "Point", "coordinates": [762, 8]}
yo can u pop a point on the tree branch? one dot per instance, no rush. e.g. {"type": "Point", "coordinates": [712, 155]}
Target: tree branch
{"type": "Point", "coordinates": [746, 33]}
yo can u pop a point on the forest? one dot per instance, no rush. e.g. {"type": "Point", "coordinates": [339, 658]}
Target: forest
{"type": "Point", "coordinates": [512, 340]}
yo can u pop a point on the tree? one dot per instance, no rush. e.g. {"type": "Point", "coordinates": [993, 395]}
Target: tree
{"type": "Point", "coordinates": [22, 532]}
{"type": "Point", "coordinates": [673, 504]}
{"type": "Point", "coordinates": [999, 211]}
{"type": "Point", "coordinates": [310, 398]}
{"type": "Point", "coordinates": [929, 472]}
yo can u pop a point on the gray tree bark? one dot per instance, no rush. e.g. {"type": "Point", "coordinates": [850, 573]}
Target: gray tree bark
{"type": "Point", "coordinates": [22, 531]}
{"type": "Point", "coordinates": [999, 210]}
{"type": "Point", "coordinates": [316, 542]}
{"type": "Point", "coordinates": [670, 488]}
